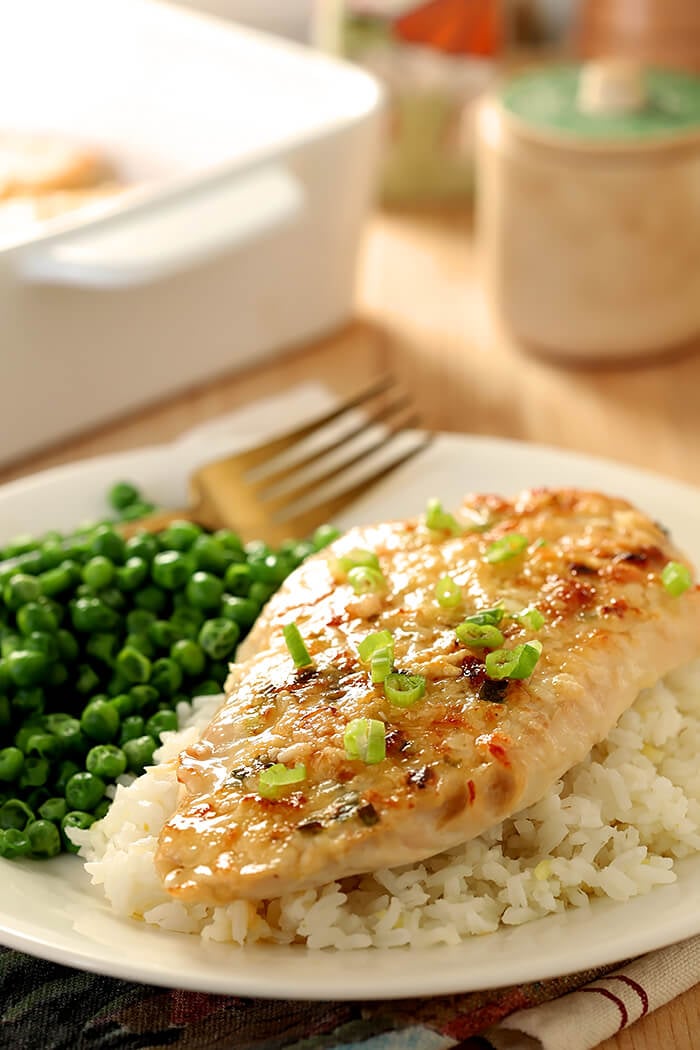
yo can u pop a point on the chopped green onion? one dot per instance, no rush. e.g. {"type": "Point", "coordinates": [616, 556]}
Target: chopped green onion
{"type": "Point", "coordinates": [354, 559]}
{"type": "Point", "coordinates": [274, 780]}
{"type": "Point", "coordinates": [448, 594]}
{"type": "Point", "coordinates": [365, 739]}
{"type": "Point", "coordinates": [404, 690]}
{"type": "Point", "coordinates": [295, 643]}
{"type": "Point", "coordinates": [373, 642]}
{"type": "Point", "coordinates": [518, 662]}
{"type": "Point", "coordinates": [479, 636]}
{"type": "Point", "coordinates": [676, 578]}
{"type": "Point", "coordinates": [530, 617]}
{"type": "Point", "coordinates": [487, 617]}
{"type": "Point", "coordinates": [440, 520]}
{"type": "Point", "coordinates": [507, 547]}
{"type": "Point", "coordinates": [366, 580]}
{"type": "Point", "coordinates": [381, 663]}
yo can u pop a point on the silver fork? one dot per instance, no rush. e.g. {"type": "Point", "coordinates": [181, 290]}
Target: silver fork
{"type": "Point", "coordinates": [295, 482]}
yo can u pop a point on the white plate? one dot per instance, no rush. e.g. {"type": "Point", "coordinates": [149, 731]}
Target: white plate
{"type": "Point", "coordinates": [50, 909]}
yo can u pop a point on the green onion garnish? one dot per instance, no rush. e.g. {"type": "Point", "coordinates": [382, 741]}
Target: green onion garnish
{"type": "Point", "coordinates": [676, 578]}
{"type": "Point", "coordinates": [295, 643]}
{"type": "Point", "coordinates": [440, 520]}
{"type": "Point", "coordinates": [364, 579]}
{"type": "Point", "coordinates": [518, 662]}
{"type": "Point", "coordinates": [274, 780]}
{"type": "Point", "coordinates": [530, 617]}
{"type": "Point", "coordinates": [373, 642]}
{"type": "Point", "coordinates": [479, 636]}
{"type": "Point", "coordinates": [354, 558]}
{"type": "Point", "coordinates": [403, 689]}
{"type": "Point", "coordinates": [487, 617]}
{"type": "Point", "coordinates": [509, 546]}
{"type": "Point", "coordinates": [447, 593]}
{"type": "Point", "coordinates": [365, 739]}
{"type": "Point", "coordinates": [381, 664]}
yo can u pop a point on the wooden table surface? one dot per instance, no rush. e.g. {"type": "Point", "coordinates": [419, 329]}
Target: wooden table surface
{"type": "Point", "coordinates": [421, 312]}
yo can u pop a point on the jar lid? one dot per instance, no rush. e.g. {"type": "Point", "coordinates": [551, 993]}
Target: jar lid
{"type": "Point", "coordinates": [608, 102]}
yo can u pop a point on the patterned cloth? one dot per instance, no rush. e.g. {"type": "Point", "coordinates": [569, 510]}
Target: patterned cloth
{"type": "Point", "coordinates": [51, 1007]}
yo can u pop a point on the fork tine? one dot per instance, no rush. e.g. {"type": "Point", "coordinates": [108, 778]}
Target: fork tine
{"type": "Point", "coordinates": [304, 523]}
{"type": "Point", "coordinates": [337, 470]}
{"type": "Point", "coordinates": [262, 453]}
{"type": "Point", "coordinates": [384, 412]}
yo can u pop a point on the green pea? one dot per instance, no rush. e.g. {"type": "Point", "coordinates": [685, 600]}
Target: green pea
{"type": "Point", "coordinates": [207, 688]}
{"type": "Point", "coordinates": [44, 838]}
{"type": "Point", "coordinates": [166, 676]}
{"type": "Point", "coordinates": [98, 572]}
{"type": "Point", "coordinates": [204, 590]}
{"type": "Point", "coordinates": [117, 684]}
{"type": "Point", "coordinates": [124, 703]}
{"type": "Point", "coordinates": [162, 634]}
{"type": "Point", "coordinates": [87, 680]}
{"type": "Point", "coordinates": [32, 724]}
{"type": "Point", "coordinates": [67, 731]}
{"type": "Point", "coordinates": [21, 544]}
{"type": "Point", "coordinates": [59, 579]}
{"type": "Point", "coordinates": [106, 761]}
{"type": "Point", "coordinates": [132, 573]}
{"type": "Point", "coordinates": [36, 617]}
{"type": "Point", "coordinates": [189, 656]}
{"type": "Point", "coordinates": [132, 727]}
{"type": "Point", "coordinates": [11, 763]}
{"type": "Point", "coordinates": [179, 535]}
{"type": "Point", "coordinates": [151, 598]}
{"type": "Point", "coordinates": [42, 642]}
{"type": "Point", "coordinates": [84, 791]}
{"type": "Point", "coordinates": [14, 843]}
{"type": "Point", "coordinates": [324, 535]}
{"type": "Point", "coordinates": [140, 509]}
{"type": "Point", "coordinates": [15, 814]}
{"type": "Point", "coordinates": [259, 592]}
{"type": "Point", "coordinates": [140, 642]}
{"type": "Point", "coordinates": [219, 637]}
{"type": "Point", "coordinates": [139, 752]}
{"type": "Point", "coordinates": [35, 772]}
{"type": "Point", "coordinates": [242, 611]}
{"type": "Point", "coordinates": [210, 556]}
{"type": "Point", "coordinates": [66, 770]}
{"type": "Point", "coordinates": [100, 721]}
{"type": "Point", "coordinates": [171, 569]}
{"type": "Point", "coordinates": [231, 541]}
{"type": "Point", "coordinates": [161, 722]}
{"type": "Point", "coordinates": [52, 554]}
{"type": "Point", "coordinates": [102, 646]}
{"type": "Point", "coordinates": [37, 797]}
{"type": "Point", "coordinates": [44, 744]}
{"type": "Point", "coordinates": [27, 666]}
{"type": "Point", "coordinates": [92, 614]}
{"type": "Point", "coordinates": [102, 808]}
{"type": "Point", "coordinates": [19, 590]}
{"type": "Point", "coordinates": [142, 545]}
{"type": "Point", "coordinates": [75, 819]}
{"type": "Point", "coordinates": [186, 622]}
{"type": "Point", "coordinates": [53, 809]}
{"type": "Point", "coordinates": [113, 597]}
{"type": "Point", "coordinates": [138, 621]}
{"type": "Point", "coordinates": [9, 642]}
{"type": "Point", "coordinates": [133, 665]}
{"type": "Point", "coordinates": [270, 570]}
{"type": "Point", "coordinates": [144, 696]}
{"type": "Point", "coordinates": [68, 648]}
{"type": "Point", "coordinates": [29, 701]}
{"type": "Point", "coordinates": [122, 494]}
{"type": "Point", "coordinates": [107, 542]}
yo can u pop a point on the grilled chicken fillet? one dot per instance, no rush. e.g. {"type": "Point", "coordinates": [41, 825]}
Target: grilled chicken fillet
{"type": "Point", "coordinates": [471, 750]}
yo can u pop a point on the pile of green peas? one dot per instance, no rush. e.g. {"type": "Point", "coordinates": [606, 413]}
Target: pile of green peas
{"type": "Point", "coordinates": [100, 638]}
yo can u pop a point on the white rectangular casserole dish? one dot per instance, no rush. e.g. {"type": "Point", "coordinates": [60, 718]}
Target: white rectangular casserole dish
{"type": "Point", "coordinates": [253, 164]}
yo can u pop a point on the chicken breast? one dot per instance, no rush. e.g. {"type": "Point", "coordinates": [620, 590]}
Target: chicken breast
{"type": "Point", "coordinates": [469, 751]}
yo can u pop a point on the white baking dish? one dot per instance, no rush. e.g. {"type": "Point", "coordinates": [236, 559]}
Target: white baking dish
{"type": "Point", "coordinates": [253, 161]}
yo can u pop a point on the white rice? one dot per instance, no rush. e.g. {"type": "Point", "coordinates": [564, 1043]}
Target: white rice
{"type": "Point", "coordinates": [612, 827]}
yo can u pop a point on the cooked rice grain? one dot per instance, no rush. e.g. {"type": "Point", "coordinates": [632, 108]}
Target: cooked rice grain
{"type": "Point", "coordinates": [611, 827]}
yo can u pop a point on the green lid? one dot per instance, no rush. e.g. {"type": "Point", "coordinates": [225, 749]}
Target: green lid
{"type": "Point", "coordinates": [547, 100]}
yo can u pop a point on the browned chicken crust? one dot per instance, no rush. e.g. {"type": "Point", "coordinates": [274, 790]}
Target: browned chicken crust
{"type": "Point", "coordinates": [471, 751]}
